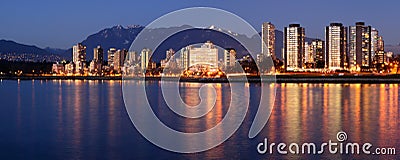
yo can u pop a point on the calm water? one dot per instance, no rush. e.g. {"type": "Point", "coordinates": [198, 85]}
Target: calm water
{"type": "Point", "coordinates": [87, 120]}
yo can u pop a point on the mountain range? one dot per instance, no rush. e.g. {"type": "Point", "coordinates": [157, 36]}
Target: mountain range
{"type": "Point", "coordinates": [121, 38]}
{"type": "Point", "coordinates": [7, 46]}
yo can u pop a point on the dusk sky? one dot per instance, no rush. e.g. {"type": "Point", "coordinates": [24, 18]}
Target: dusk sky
{"type": "Point", "coordinates": [60, 24]}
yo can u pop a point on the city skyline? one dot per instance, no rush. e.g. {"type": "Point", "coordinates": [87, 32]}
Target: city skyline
{"type": "Point", "coordinates": [199, 79]}
{"type": "Point", "coordinates": [62, 21]}
{"type": "Point", "coordinates": [354, 48]}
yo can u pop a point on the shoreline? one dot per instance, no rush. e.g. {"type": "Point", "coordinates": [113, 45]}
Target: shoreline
{"type": "Point", "coordinates": [302, 78]}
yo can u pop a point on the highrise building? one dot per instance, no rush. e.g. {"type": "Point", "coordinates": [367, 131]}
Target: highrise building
{"type": "Point", "coordinates": [336, 47]}
{"type": "Point", "coordinates": [131, 58]}
{"type": "Point", "coordinates": [380, 55]}
{"type": "Point", "coordinates": [308, 54]}
{"type": "Point", "coordinates": [124, 54]}
{"type": "Point", "coordinates": [388, 56]}
{"type": "Point", "coordinates": [169, 59]}
{"type": "Point", "coordinates": [145, 58]}
{"type": "Point", "coordinates": [360, 47]}
{"type": "Point", "coordinates": [70, 68]}
{"type": "Point", "coordinates": [79, 57]}
{"type": "Point", "coordinates": [294, 49]}
{"type": "Point", "coordinates": [98, 54]}
{"type": "Point", "coordinates": [97, 63]}
{"type": "Point", "coordinates": [131, 64]}
{"type": "Point", "coordinates": [184, 57]}
{"type": "Point", "coordinates": [119, 58]}
{"type": "Point", "coordinates": [229, 57]}
{"type": "Point", "coordinates": [318, 51]}
{"type": "Point", "coordinates": [206, 54]}
{"type": "Point", "coordinates": [93, 67]}
{"type": "Point", "coordinates": [110, 57]}
{"type": "Point", "coordinates": [374, 43]}
{"type": "Point", "coordinates": [268, 37]}
{"type": "Point", "coordinates": [309, 61]}
{"type": "Point", "coordinates": [169, 54]}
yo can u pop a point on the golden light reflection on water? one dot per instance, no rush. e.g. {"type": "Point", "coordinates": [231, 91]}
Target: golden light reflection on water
{"type": "Point", "coordinates": [367, 112]}
{"type": "Point", "coordinates": [302, 112]}
{"type": "Point", "coordinates": [60, 109]}
{"type": "Point", "coordinates": [112, 108]}
{"type": "Point", "coordinates": [291, 115]}
{"type": "Point", "coordinates": [215, 117]}
{"type": "Point", "coordinates": [388, 94]}
{"type": "Point", "coordinates": [19, 101]}
{"type": "Point", "coordinates": [190, 93]}
{"type": "Point", "coordinates": [77, 115]}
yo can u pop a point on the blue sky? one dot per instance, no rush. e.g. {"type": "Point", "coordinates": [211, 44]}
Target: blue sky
{"type": "Point", "coordinates": [60, 24]}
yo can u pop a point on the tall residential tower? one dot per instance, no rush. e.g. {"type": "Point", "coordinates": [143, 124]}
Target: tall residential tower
{"type": "Point", "coordinates": [318, 51]}
{"type": "Point", "coordinates": [145, 58]}
{"type": "Point", "coordinates": [360, 47]}
{"type": "Point", "coordinates": [268, 37]}
{"type": "Point", "coordinates": [336, 46]}
{"type": "Point", "coordinates": [79, 57]}
{"type": "Point", "coordinates": [98, 54]}
{"type": "Point", "coordinates": [294, 49]}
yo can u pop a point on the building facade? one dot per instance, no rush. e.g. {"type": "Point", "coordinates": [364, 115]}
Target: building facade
{"type": "Point", "coordinates": [336, 47]}
{"type": "Point", "coordinates": [206, 54]}
{"type": "Point", "coordinates": [119, 59]}
{"type": "Point", "coordinates": [318, 51]}
{"type": "Point", "coordinates": [380, 54]}
{"type": "Point", "coordinates": [229, 57]}
{"type": "Point", "coordinates": [79, 57]}
{"type": "Point", "coordinates": [145, 58]}
{"type": "Point", "coordinates": [268, 38]}
{"type": "Point", "coordinates": [110, 57]}
{"type": "Point", "coordinates": [308, 54]}
{"type": "Point", "coordinates": [131, 58]}
{"type": "Point", "coordinates": [169, 54]}
{"type": "Point", "coordinates": [374, 44]}
{"type": "Point", "coordinates": [360, 47]}
{"type": "Point", "coordinates": [98, 54]}
{"type": "Point", "coordinates": [293, 45]}
{"type": "Point", "coordinates": [184, 57]}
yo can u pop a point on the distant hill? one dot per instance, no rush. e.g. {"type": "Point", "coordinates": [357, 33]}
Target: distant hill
{"type": "Point", "coordinates": [116, 37]}
{"type": "Point", "coordinates": [13, 51]}
{"type": "Point", "coordinates": [7, 46]}
{"type": "Point", "coordinates": [55, 50]}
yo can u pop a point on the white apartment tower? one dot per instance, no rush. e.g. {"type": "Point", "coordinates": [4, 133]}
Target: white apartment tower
{"type": "Point", "coordinates": [294, 49]}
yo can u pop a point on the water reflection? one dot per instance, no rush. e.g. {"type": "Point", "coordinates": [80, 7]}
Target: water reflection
{"type": "Point", "coordinates": [77, 117]}
{"type": "Point", "coordinates": [74, 119]}
{"type": "Point", "coordinates": [316, 112]}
